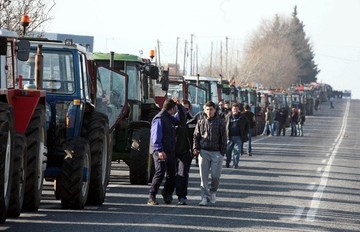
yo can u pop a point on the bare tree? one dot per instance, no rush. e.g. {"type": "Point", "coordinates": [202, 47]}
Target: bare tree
{"type": "Point", "coordinates": [269, 57]}
{"type": "Point", "coordinates": [38, 10]}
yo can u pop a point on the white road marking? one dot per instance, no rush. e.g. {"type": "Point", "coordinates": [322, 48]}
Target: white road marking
{"type": "Point", "coordinates": [298, 214]}
{"type": "Point", "coordinates": [315, 203]}
{"type": "Point", "coordinates": [311, 186]}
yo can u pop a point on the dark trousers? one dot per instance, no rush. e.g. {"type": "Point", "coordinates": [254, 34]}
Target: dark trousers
{"type": "Point", "coordinates": [293, 129]}
{"type": "Point", "coordinates": [281, 129]}
{"type": "Point", "coordinates": [167, 167]}
{"type": "Point", "coordinates": [182, 174]}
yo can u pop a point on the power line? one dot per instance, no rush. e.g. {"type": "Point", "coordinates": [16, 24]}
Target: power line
{"type": "Point", "coordinates": [337, 58]}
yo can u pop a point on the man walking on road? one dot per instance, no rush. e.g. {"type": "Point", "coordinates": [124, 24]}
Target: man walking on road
{"type": "Point", "coordinates": [252, 121]}
{"type": "Point", "coordinates": [237, 129]}
{"type": "Point", "coordinates": [210, 145]}
{"type": "Point", "coordinates": [162, 147]}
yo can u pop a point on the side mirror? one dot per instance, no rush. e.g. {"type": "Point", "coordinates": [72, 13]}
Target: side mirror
{"type": "Point", "coordinates": [3, 46]}
{"type": "Point", "coordinates": [165, 81]}
{"type": "Point", "coordinates": [151, 71]}
{"type": "Point", "coordinates": [23, 50]}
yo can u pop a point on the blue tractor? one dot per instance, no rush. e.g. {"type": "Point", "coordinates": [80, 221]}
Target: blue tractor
{"type": "Point", "coordinates": [80, 117]}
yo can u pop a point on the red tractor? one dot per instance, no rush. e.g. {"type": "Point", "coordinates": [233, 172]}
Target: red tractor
{"type": "Point", "coordinates": [22, 130]}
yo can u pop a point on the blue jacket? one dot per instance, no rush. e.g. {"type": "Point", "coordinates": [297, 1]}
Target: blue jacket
{"type": "Point", "coordinates": [163, 132]}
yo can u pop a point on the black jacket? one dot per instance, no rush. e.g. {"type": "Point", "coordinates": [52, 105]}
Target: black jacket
{"type": "Point", "coordinates": [242, 124]}
{"type": "Point", "coordinates": [183, 133]}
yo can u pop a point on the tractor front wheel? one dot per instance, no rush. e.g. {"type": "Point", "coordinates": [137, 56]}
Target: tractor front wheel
{"type": "Point", "coordinates": [35, 135]}
{"type": "Point", "coordinates": [75, 177]}
{"type": "Point", "coordinates": [139, 156]}
{"type": "Point", "coordinates": [18, 181]}
{"type": "Point", "coordinates": [7, 134]}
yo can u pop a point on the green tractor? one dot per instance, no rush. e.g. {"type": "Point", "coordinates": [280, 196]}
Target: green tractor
{"type": "Point", "coordinates": [131, 137]}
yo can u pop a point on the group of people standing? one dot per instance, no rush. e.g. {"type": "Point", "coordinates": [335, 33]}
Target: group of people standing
{"type": "Point", "coordinates": [275, 121]}
{"type": "Point", "coordinates": [173, 145]}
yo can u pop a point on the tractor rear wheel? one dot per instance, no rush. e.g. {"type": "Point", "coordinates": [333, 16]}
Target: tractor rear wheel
{"type": "Point", "coordinates": [139, 156]}
{"type": "Point", "coordinates": [18, 177]}
{"type": "Point", "coordinates": [36, 137]}
{"type": "Point", "coordinates": [7, 134]}
{"type": "Point", "coordinates": [75, 177]}
{"type": "Point", "coordinates": [96, 129]}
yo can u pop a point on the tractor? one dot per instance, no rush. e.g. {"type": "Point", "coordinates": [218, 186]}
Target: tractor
{"type": "Point", "coordinates": [22, 129]}
{"type": "Point", "coordinates": [80, 117]}
{"type": "Point", "coordinates": [131, 137]}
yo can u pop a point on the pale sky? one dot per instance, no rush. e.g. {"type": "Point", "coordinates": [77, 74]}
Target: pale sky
{"type": "Point", "coordinates": [134, 25]}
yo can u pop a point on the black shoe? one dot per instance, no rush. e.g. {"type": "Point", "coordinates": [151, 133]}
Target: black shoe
{"type": "Point", "coordinates": [227, 165]}
{"type": "Point", "coordinates": [152, 202]}
{"type": "Point", "coordinates": [182, 201]}
{"type": "Point", "coordinates": [167, 198]}
{"type": "Point", "coordinates": [250, 154]}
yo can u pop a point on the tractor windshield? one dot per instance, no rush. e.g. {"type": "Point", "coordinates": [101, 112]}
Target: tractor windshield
{"type": "Point", "coordinates": [134, 82]}
{"type": "Point", "coordinates": [111, 95]}
{"type": "Point", "coordinates": [58, 71]}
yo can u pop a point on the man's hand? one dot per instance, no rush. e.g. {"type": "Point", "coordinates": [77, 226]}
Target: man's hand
{"type": "Point", "coordinates": [162, 155]}
{"type": "Point", "coordinates": [176, 100]}
{"type": "Point", "coordinates": [196, 152]}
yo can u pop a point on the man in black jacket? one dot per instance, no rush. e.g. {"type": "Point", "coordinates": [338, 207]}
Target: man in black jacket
{"type": "Point", "coordinates": [210, 143]}
{"type": "Point", "coordinates": [183, 152]}
{"type": "Point", "coordinates": [237, 129]}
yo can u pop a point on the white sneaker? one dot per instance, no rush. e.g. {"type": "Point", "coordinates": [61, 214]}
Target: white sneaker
{"type": "Point", "coordinates": [203, 202]}
{"type": "Point", "coordinates": [213, 198]}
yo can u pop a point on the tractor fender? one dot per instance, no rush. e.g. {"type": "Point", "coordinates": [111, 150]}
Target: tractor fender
{"type": "Point", "coordinates": [138, 124]}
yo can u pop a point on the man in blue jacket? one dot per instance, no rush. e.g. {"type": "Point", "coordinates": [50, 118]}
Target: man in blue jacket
{"type": "Point", "coordinates": [162, 147]}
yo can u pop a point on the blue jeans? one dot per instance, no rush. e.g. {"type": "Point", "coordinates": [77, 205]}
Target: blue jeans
{"type": "Point", "coordinates": [293, 129]}
{"type": "Point", "coordinates": [275, 128]}
{"type": "Point", "coordinates": [234, 144]}
{"type": "Point", "coordinates": [268, 125]}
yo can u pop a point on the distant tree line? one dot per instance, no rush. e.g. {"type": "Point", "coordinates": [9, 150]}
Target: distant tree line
{"type": "Point", "coordinates": [277, 55]}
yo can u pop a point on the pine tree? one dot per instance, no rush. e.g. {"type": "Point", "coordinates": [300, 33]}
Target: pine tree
{"type": "Point", "coordinates": [308, 70]}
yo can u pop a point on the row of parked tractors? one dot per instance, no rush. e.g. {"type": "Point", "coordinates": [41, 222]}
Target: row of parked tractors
{"type": "Point", "coordinates": [65, 114]}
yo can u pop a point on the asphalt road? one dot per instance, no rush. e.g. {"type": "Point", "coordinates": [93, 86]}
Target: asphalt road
{"type": "Point", "coordinates": [309, 183]}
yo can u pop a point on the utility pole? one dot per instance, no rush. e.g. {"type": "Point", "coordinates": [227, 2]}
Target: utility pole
{"type": "Point", "coordinates": [211, 58]}
{"type": "Point", "coordinates": [221, 63]}
{"type": "Point", "coordinates": [226, 57]}
{"type": "Point", "coordinates": [197, 59]}
{"type": "Point", "coordinates": [158, 55]}
{"type": "Point", "coordinates": [191, 55]}
{"type": "Point", "coordinates": [185, 51]}
{"type": "Point", "coordinates": [176, 59]}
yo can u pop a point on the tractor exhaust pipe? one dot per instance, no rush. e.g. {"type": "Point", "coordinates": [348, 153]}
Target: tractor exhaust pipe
{"type": "Point", "coordinates": [39, 66]}
{"type": "Point", "coordinates": [112, 54]}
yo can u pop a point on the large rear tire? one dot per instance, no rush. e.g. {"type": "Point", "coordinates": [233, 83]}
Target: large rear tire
{"type": "Point", "coordinates": [18, 177]}
{"type": "Point", "coordinates": [75, 176]}
{"type": "Point", "coordinates": [35, 135]}
{"type": "Point", "coordinates": [96, 129]}
{"type": "Point", "coordinates": [139, 156]}
{"type": "Point", "coordinates": [7, 134]}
